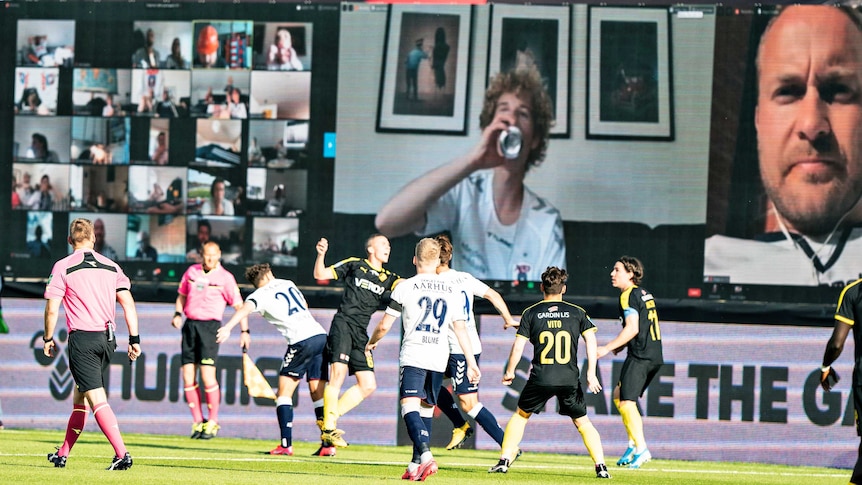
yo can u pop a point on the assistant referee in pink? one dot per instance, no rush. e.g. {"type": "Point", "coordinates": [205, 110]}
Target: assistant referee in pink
{"type": "Point", "coordinates": [89, 285]}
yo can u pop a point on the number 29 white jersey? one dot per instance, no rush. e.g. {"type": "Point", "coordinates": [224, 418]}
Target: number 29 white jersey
{"type": "Point", "coordinates": [282, 304]}
{"type": "Point", "coordinates": [427, 305]}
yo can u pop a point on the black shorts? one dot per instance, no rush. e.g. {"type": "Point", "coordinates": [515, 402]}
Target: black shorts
{"type": "Point", "coordinates": [346, 344]}
{"type": "Point", "coordinates": [89, 357]}
{"type": "Point", "coordinates": [570, 398]}
{"type": "Point", "coordinates": [457, 370]}
{"type": "Point", "coordinates": [421, 383]}
{"type": "Point", "coordinates": [199, 342]}
{"type": "Point", "coordinates": [306, 358]}
{"type": "Point", "coordinates": [635, 376]}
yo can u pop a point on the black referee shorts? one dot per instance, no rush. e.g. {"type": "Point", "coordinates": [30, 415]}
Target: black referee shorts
{"type": "Point", "coordinates": [199, 342]}
{"type": "Point", "coordinates": [89, 358]}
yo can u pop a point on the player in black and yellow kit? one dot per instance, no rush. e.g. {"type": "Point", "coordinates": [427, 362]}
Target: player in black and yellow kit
{"type": "Point", "coordinates": [848, 313]}
{"type": "Point", "coordinates": [365, 283]}
{"type": "Point", "coordinates": [641, 335]}
{"type": "Point", "coordinates": [552, 326]}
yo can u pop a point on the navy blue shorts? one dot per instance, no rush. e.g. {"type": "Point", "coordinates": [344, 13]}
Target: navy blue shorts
{"type": "Point", "coordinates": [421, 383]}
{"type": "Point", "coordinates": [457, 370]}
{"type": "Point", "coordinates": [306, 357]}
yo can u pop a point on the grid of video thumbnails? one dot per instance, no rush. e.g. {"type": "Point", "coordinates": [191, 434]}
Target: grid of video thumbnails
{"type": "Point", "coordinates": [184, 132]}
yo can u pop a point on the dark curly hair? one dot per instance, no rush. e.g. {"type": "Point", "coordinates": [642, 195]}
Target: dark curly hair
{"type": "Point", "coordinates": [527, 83]}
{"type": "Point", "coordinates": [553, 280]}
{"type": "Point", "coordinates": [254, 273]}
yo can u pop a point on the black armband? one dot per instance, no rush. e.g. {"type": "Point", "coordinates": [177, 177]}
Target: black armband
{"type": "Point", "coordinates": [134, 339]}
{"type": "Point", "coordinates": [246, 331]}
{"type": "Point", "coordinates": [178, 314]}
{"type": "Point", "coordinates": [46, 340]}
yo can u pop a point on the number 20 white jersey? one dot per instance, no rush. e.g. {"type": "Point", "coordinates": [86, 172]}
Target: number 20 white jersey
{"type": "Point", "coordinates": [427, 305]}
{"type": "Point", "coordinates": [282, 304]}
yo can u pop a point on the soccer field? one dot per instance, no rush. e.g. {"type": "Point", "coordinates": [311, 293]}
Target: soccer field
{"type": "Point", "coordinates": [179, 460]}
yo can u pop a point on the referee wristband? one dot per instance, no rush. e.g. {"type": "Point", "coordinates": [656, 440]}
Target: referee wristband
{"type": "Point", "coordinates": [178, 314]}
{"type": "Point", "coordinates": [47, 340]}
{"type": "Point", "coordinates": [825, 368]}
{"type": "Point", "coordinates": [246, 331]}
{"type": "Point", "coordinates": [134, 339]}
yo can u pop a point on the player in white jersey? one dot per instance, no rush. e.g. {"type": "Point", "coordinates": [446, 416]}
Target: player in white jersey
{"type": "Point", "coordinates": [430, 308]}
{"type": "Point", "coordinates": [282, 304]}
{"type": "Point", "coordinates": [467, 392]}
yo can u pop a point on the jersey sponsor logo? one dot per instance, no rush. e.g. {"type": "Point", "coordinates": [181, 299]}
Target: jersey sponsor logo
{"type": "Point", "coordinates": [369, 285]}
{"type": "Point", "coordinates": [437, 286]}
{"type": "Point", "coordinates": [430, 340]}
{"type": "Point", "coordinates": [553, 314]}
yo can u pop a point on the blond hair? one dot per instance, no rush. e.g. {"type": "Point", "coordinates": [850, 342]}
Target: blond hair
{"type": "Point", "coordinates": [80, 230]}
{"type": "Point", "coordinates": [427, 251]}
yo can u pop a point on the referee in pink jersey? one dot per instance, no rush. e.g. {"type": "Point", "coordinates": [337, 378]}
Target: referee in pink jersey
{"type": "Point", "coordinates": [204, 290]}
{"type": "Point", "coordinates": [89, 285]}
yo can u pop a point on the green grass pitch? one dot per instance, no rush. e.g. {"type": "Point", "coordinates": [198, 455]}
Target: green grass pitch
{"type": "Point", "coordinates": [178, 460]}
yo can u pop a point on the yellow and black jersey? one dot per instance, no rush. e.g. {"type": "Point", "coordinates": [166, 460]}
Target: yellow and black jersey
{"type": "Point", "coordinates": [553, 327]}
{"type": "Point", "coordinates": [849, 310]}
{"type": "Point", "coordinates": [364, 288]}
{"type": "Point", "coordinates": [647, 344]}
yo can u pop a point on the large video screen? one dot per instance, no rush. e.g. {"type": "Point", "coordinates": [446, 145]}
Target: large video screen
{"type": "Point", "coordinates": [266, 127]}
{"type": "Point", "coordinates": [168, 125]}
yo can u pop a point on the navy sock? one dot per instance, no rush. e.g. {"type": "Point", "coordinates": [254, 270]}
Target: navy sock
{"type": "Point", "coordinates": [416, 430]}
{"type": "Point", "coordinates": [449, 408]}
{"type": "Point", "coordinates": [285, 424]}
{"type": "Point", "coordinates": [489, 423]}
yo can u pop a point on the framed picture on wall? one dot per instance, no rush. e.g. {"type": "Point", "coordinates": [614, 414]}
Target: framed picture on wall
{"type": "Point", "coordinates": [629, 74]}
{"type": "Point", "coordinates": [425, 74]}
{"type": "Point", "coordinates": [535, 37]}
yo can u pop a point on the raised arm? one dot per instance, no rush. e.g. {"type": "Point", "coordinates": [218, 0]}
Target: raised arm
{"type": "Point", "coordinates": [321, 272]}
{"type": "Point", "coordinates": [405, 211]}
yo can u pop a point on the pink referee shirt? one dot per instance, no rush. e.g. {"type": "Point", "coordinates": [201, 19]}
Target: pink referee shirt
{"type": "Point", "coordinates": [88, 283]}
{"type": "Point", "coordinates": [207, 292]}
